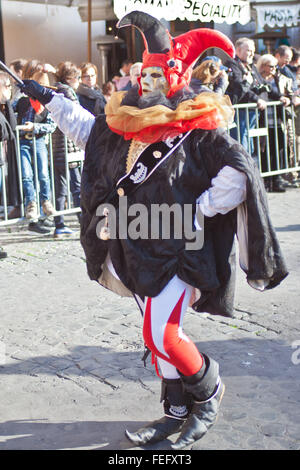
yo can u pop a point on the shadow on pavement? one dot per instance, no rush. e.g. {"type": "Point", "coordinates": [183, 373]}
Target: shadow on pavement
{"type": "Point", "coordinates": [239, 357]}
{"type": "Point", "coordinates": [288, 228]}
{"type": "Point", "coordinates": [43, 435]}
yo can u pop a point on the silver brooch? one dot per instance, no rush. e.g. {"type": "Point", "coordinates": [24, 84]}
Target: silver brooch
{"type": "Point", "coordinates": [156, 154]}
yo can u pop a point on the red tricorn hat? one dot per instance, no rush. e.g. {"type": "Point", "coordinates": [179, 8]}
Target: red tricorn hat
{"type": "Point", "coordinates": [176, 56]}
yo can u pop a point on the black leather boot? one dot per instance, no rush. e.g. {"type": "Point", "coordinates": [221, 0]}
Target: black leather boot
{"type": "Point", "coordinates": [207, 391]}
{"type": "Point", "coordinates": [176, 406]}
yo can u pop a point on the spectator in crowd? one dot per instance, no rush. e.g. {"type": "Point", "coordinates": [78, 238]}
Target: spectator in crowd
{"type": "Point", "coordinates": [244, 87]}
{"type": "Point", "coordinates": [17, 67]}
{"type": "Point", "coordinates": [8, 124]}
{"type": "Point", "coordinates": [211, 74]}
{"type": "Point", "coordinates": [67, 75]}
{"type": "Point", "coordinates": [6, 134]}
{"type": "Point", "coordinates": [134, 73]}
{"type": "Point", "coordinates": [294, 66]}
{"type": "Point", "coordinates": [279, 88]}
{"type": "Point", "coordinates": [108, 89]}
{"type": "Point", "coordinates": [50, 70]}
{"type": "Point", "coordinates": [125, 67]}
{"type": "Point", "coordinates": [36, 122]}
{"type": "Point", "coordinates": [123, 77]}
{"type": "Point", "coordinates": [284, 55]}
{"type": "Point", "coordinates": [31, 67]}
{"type": "Point", "coordinates": [89, 94]}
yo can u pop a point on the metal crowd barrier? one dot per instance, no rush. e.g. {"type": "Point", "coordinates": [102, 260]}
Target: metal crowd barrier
{"type": "Point", "coordinates": [273, 145]}
{"type": "Point", "coordinates": [77, 157]}
{"type": "Point", "coordinates": [275, 151]}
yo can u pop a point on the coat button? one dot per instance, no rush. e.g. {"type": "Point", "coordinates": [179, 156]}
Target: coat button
{"type": "Point", "coordinates": [120, 192]}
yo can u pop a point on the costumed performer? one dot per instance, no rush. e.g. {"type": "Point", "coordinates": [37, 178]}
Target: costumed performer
{"type": "Point", "coordinates": [160, 143]}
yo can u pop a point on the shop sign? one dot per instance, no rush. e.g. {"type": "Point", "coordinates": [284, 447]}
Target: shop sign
{"type": "Point", "coordinates": [278, 16]}
{"type": "Point", "coordinates": [219, 11]}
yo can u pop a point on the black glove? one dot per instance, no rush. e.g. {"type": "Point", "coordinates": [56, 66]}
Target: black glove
{"type": "Point", "coordinates": [37, 91]}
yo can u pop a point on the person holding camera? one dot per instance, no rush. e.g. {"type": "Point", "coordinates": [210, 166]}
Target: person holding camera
{"type": "Point", "coordinates": [244, 87]}
{"type": "Point", "coordinates": [279, 88]}
{"type": "Point", "coordinates": [210, 75]}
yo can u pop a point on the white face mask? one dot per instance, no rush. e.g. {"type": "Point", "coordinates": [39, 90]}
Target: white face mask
{"type": "Point", "coordinates": [153, 79]}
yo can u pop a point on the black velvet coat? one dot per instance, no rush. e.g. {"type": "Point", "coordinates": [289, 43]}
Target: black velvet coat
{"type": "Point", "coordinates": [146, 266]}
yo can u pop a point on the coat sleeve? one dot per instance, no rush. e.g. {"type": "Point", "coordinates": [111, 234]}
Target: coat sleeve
{"type": "Point", "coordinates": [227, 191]}
{"type": "Point", "coordinates": [72, 119]}
{"type": "Point", "coordinates": [47, 127]}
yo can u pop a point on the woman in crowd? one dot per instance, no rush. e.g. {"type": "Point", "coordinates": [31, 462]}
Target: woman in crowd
{"type": "Point", "coordinates": [89, 94]}
{"type": "Point", "coordinates": [36, 122]}
{"type": "Point", "coordinates": [210, 75]}
{"type": "Point", "coordinates": [8, 153]}
{"type": "Point", "coordinates": [108, 89]}
{"type": "Point", "coordinates": [279, 88]}
{"type": "Point", "coordinates": [67, 76]}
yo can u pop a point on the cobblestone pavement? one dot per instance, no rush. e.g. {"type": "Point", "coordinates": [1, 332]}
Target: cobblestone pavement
{"type": "Point", "coordinates": [70, 352]}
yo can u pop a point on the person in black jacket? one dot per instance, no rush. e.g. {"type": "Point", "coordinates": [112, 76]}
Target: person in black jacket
{"type": "Point", "coordinates": [284, 56]}
{"type": "Point", "coordinates": [8, 124]}
{"type": "Point", "coordinates": [243, 87]}
{"type": "Point", "coordinates": [161, 144]}
{"type": "Point", "coordinates": [67, 76]}
{"type": "Point", "coordinates": [89, 94]}
{"type": "Point", "coordinates": [7, 139]}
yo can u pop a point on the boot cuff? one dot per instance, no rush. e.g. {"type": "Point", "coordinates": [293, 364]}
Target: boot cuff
{"type": "Point", "coordinates": [202, 384]}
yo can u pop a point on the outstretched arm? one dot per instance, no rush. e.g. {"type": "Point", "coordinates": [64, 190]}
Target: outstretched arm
{"type": "Point", "coordinates": [73, 120]}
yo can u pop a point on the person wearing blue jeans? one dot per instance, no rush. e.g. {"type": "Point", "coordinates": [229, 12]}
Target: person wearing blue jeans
{"type": "Point", "coordinates": [244, 122]}
{"type": "Point", "coordinates": [27, 152]}
{"type": "Point", "coordinates": [34, 121]}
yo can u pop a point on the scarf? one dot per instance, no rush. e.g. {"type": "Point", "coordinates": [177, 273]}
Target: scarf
{"type": "Point", "coordinates": [154, 118]}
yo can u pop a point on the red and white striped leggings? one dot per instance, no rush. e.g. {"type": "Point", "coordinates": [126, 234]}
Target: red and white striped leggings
{"type": "Point", "coordinates": [162, 330]}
